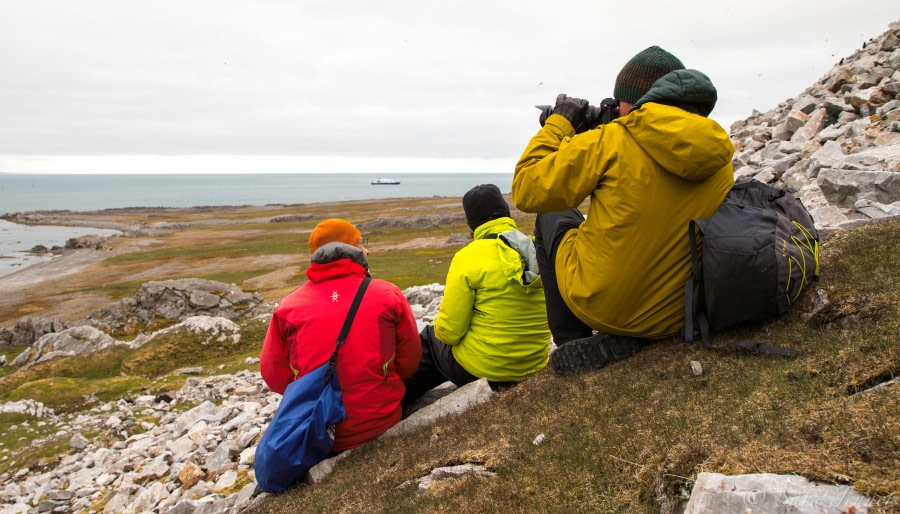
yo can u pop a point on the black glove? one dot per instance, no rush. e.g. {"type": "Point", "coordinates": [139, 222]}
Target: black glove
{"type": "Point", "coordinates": [573, 109]}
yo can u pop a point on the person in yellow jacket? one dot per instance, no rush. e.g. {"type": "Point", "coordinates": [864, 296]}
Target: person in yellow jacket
{"type": "Point", "coordinates": [492, 322]}
{"type": "Point", "coordinates": [659, 164]}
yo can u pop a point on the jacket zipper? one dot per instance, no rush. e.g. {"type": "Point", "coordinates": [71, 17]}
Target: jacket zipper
{"type": "Point", "coordinates": [384, 367]}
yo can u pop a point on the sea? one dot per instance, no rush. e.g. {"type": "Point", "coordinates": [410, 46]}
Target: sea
{"type": "Point", "coordinates": [80, 192]}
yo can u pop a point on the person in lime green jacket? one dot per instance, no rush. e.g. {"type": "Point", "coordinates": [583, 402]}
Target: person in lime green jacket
{"type": "Point", "coordinates": [492, 322]}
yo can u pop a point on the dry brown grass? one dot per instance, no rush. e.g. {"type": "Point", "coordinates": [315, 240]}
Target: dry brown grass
{"type": "Point", "coordinates": [632, 437]}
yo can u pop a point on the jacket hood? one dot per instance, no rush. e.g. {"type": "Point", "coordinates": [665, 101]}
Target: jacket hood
{"type": "Point", "coordinates": [684, 143]}
{"type": "Point", "coordinates": [333, 251]}
{"type": "Point", "coordinates": [690, 90]}
{"type": "Point", "coordinates": [336, 260]}
{"type": "Point", "coordinates": [516, 251]}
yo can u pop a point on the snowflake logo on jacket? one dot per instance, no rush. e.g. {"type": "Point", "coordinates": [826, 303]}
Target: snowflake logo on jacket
{"type": "Point", "coordinates": [335, 297]}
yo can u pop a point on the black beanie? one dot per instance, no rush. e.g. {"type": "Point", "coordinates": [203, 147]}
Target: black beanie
{"type": "Point", "coordinates": [639, 74]}
{"type": "Point", "coordinates": [484, 203]}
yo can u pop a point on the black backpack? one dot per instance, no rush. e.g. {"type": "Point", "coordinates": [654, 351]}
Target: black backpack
{"type": "Point", "coordinates": [758, 252]}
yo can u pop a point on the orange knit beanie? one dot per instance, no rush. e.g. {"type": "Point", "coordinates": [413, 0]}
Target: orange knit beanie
{"type": "Point", "coordinates": [331, 230]}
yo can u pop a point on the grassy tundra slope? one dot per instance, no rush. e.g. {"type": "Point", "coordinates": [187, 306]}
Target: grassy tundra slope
{"type": "Point", "coordinates": [630, 437]}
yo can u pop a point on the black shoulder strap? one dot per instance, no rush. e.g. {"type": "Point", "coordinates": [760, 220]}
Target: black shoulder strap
{"type": "Point", "coordinates": [768, 349]}
{"type": "Point", "coordinates": [497, 236]}
{"type": "Point", "coordinates": [348, 321]}
{"type": "Point", "coordinates": [694, 308]}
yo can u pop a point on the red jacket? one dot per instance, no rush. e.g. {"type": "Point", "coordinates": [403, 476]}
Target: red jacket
{"type": "Point", "coordinates": [382, 347]}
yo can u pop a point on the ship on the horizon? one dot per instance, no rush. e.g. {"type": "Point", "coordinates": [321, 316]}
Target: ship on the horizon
{"type": "Point", "coordinates": [385, 182]}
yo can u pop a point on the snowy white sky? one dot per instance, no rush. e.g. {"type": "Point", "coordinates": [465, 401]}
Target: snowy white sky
{"type": "Point", "coordinates": [119, 86]}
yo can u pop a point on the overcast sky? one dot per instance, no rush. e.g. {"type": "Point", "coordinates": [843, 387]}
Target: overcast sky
{"type": "Point", "coordinates": [276, 86]}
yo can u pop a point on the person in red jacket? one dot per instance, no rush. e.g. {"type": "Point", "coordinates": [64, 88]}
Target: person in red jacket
{"type": "Point", "coordinates": [382, 347]}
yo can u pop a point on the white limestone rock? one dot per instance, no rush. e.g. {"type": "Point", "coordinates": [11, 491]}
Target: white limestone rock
{"type": "Point", "coordinates": [207, 411]}
{"type": "Point", "coordinates": [844, 187]}
{"type": "Point", "coordinates": [766, 492]}
{"type": "Point", "coordinates": [248, 456]}
{"type": "Point", "coordinates": [203, 301]}
{"type": "Point", "coordinates": [813, 125]}
{"type": "Point", "coordinates": [827, 217]}
{"type": "Point", "coordinates": [147, 500]}
{"type": "Point", "coordinates": [78, 442]}
{"type": "Point", "coordinates": [795, 120]}
{"type": "Point", "coordinates": [226, 480]}
{"type": "Point", "coordinates": [456, 402]}
{"type": "Point", "coordinates": [877, 210]}
{"type": "Point", "coordinates": [30, 407]}
{"type": "Point", "coordinates": [831, 155]}
{"type": "Point", "coordinates": [452, 473]}
{"type": "Point", "coordinates": [321, 470]}
{"type": "Point", "coordinates": [209, 329]}
{"type": "Point", "coordinates": [72, 341]}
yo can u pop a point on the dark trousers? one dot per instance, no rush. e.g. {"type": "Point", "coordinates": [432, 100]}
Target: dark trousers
{"type": "Point", "coordinates": [549, 229]}
{"type": "Point", "coordinates": [436, 367]}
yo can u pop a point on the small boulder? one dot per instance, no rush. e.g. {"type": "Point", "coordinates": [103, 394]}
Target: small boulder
{"type": "Point", "coordinates": [452, 473]}
{"type": "Point", "coordinates": [78, 442]}
{"type": "Point", "coordinates": [203, 300]}
{"type": "Point", "coordinates": [767, 492]}
{"type": "Point", "coordinates": [72, 341]}
{"type": "Point", "coordinates": [696, 368]}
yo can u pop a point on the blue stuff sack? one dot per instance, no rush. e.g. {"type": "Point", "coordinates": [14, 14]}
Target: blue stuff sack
{"type": "Point", "coordinates": [302, 432]}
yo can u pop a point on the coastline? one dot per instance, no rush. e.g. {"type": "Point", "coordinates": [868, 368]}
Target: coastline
{"type": "Point", "coordinates": [21, 193]}
{"type": "Point", "coordinates": [120, 218]}
{"type": "Point", "coordinates": [130, 219]}
{"type": "Point", "coordinates": [261, 248]}
{"type": "Point", "coordinates": [23, 246]}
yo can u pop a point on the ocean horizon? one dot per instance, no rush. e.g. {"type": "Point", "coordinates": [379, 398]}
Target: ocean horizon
{"type": "Point", "coordinates": [70, 192]}
{"type": "Point", "coordinates": [39, 192]}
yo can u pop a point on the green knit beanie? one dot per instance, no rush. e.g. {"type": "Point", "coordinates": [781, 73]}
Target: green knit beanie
{"type": "Point", "coordinates": [642, 71]}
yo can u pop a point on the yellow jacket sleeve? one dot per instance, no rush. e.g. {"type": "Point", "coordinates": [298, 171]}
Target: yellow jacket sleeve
{"type": "Point", "coordinates": [558, 170]}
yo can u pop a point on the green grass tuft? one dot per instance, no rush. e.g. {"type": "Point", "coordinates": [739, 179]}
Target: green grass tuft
{"type": "Point", "coordinates": [183, 349]}
{"type": "Point", "coordinates": [38, 457]}
{"type": "Point", "coordinates": [268, 245]}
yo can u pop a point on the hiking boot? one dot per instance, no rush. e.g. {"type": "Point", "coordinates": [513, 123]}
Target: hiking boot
{"type": "Point", "coordinates": [594, 352]}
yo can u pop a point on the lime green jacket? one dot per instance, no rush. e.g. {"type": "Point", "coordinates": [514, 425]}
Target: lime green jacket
{"type": "Point", "coordinates": [647, 174]}
{"type": "Point", "coordinates": [493, 311]}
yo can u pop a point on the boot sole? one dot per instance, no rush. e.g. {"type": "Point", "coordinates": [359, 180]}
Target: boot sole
{"type": "Point", "coordinates": [581, 355]}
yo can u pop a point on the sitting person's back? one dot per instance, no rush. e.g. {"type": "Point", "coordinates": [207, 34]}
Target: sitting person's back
{"type": "Point", "coordinates": [492, 322]}
{"type": "Point", "coordinates": [382, 346]}
{"type": "Point", "coordinates": [493, 311]}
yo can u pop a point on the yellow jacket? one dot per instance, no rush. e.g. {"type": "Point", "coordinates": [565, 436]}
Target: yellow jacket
{"type": "Point", "coordinates": [648, 173]}
{"type": "Point", "coordinates": [493, 311]}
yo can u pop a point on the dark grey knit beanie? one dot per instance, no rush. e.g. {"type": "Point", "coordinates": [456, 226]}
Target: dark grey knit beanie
{"type": "Point", "coordinates": [639, 74]}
